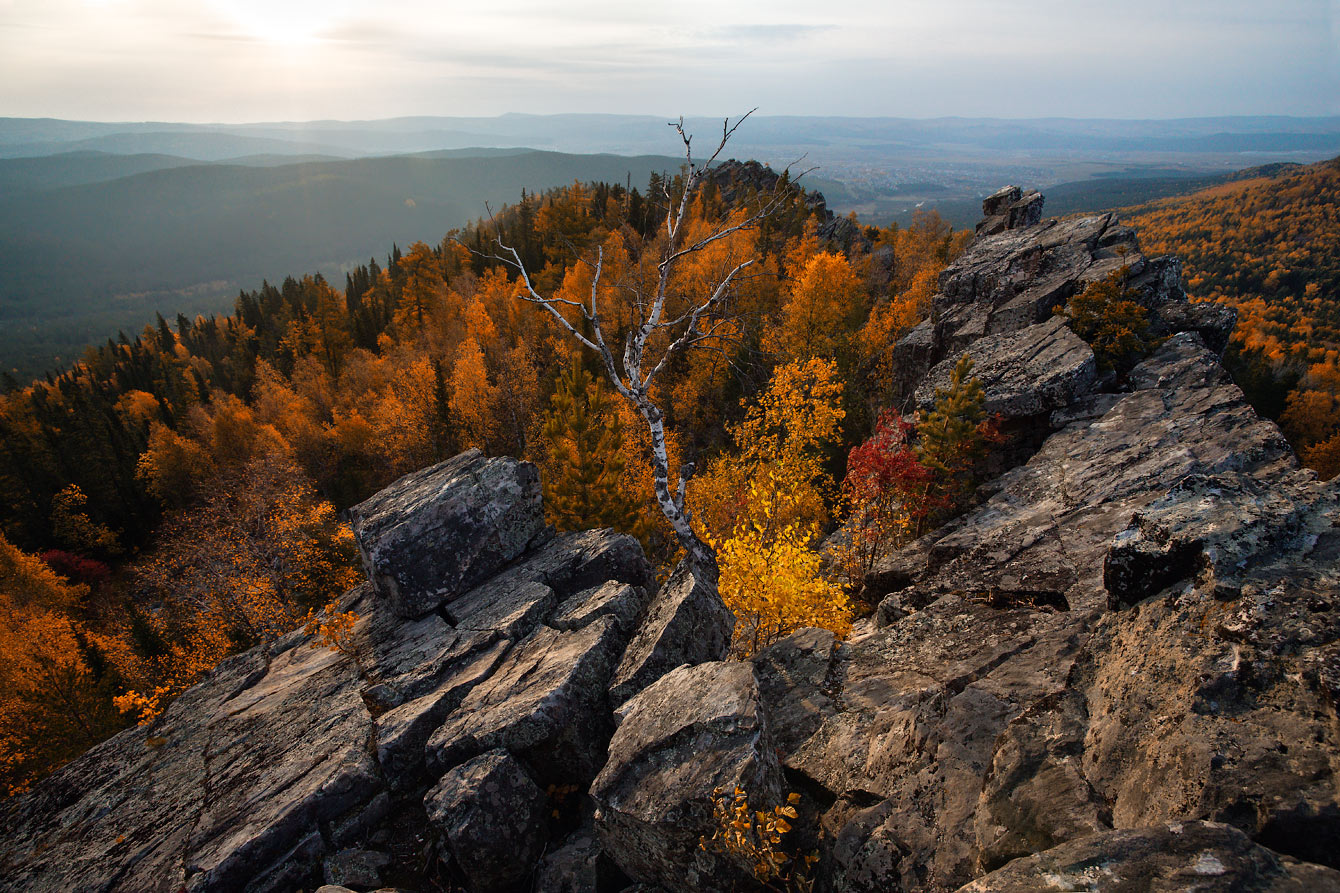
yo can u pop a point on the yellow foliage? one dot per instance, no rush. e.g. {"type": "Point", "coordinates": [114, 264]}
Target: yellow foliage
{"type": "Point", "coordinates": [1310, 417]}
{"type": "Point", "coordinates": [334, 630]}
{"type": "Point", "coordinates": [762, 506]}
{"type": "Point", "coordinates": [778, 442]}
{"type": "Point", "coordinates": [774, 582]}
{"type": "Point", "coordinates": [754, 840]}
{"type": "Point", "coordinates": [145, 708]}
{"type": "Point", "coordinates": [813, 321]}
{"type": "Point", "coordinates": [401, 417]}
{"type": "Point", "coordinates": [421, 290]}
{"type": "Point", "coordinates": [173, 465]}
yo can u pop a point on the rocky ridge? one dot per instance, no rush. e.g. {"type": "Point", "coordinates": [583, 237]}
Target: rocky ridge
{"type": "Point", "coordinates": [1119, 671]}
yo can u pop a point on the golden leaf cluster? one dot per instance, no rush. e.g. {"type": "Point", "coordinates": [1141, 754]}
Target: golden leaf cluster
{"type": "Point", "coordinates": [755, 839]}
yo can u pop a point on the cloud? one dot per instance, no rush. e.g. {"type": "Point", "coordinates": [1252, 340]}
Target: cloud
{"type": "Point", "coordinates": [769, 33]}
{"type": "Point", "coordinates": [230, 59]}
{"type": "Point", "coordinates": [225, 36]}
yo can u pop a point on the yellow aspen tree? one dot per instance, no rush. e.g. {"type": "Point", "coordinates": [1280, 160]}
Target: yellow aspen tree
{"type": "Point", "coordinates": [763, 507]}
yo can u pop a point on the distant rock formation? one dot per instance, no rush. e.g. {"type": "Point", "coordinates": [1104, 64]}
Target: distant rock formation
{"type": "Point", "coordinates": [1119, 671]}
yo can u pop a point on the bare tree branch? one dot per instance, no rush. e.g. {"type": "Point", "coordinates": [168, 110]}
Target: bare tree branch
{"type": "Point", "coordinates": [695, 326]}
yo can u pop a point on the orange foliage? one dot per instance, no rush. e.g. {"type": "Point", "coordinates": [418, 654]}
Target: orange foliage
{"type": "Point", "coordinates": [52, 704]}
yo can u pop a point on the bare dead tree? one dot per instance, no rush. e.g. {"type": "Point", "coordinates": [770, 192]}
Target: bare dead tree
{"type": "Point", "coordinates": [698, 322]}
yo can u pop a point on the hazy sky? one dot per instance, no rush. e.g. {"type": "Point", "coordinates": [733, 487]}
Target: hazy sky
{"type": "Point", "coordinates": [249, 60]}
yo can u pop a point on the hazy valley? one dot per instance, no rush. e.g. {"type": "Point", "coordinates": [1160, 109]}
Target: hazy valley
{"type": "Point", "coordinates": [104, 225]}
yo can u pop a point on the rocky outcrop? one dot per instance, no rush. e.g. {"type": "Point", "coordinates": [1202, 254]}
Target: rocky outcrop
{"type": "Point", "coordinates": [695, 732]}
{"type": "Point", "coordinates": [1018, 272]}
{"type": "Point", "coordinates": [1118, 670]}
{"type": "Point", "coordinates": [686, 624]}
{"type": "Point", "coordinates": [474, 728]}
{"type": "Point", "coordinates": [1025, 373]}
{"type": "Point", "coordinates": [1200, 856]}
{"type": "Point", "coordinates": [493, 817]}
{"type": "Point", "coordinates": [1009, 208]}
{"type": "Point", "coordinates": [1133, 629]}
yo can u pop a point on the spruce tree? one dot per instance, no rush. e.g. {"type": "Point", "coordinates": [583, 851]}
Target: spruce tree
{"type": "Point", "coordinates": [953, 435]}
{"type": "Point", "coordinates": [584, 487]}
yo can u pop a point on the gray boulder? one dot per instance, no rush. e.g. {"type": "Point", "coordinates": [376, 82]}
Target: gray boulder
{"type": "Point", "coordinates": [1200, 856]}
{"type": "Point", "coordinates": [438, 531]}
{"type": "Point", "coordinates": [577, 865]}
{"type": "Point", "coordinates": [545, 702]}
{"type": "Point", "coordinates": [695, 731]}
{"type": "Point", "coordinates": [403, 731]}
{"type": "Point", "coordinates": [1011, 711]}
{"type": "Point", "coordinates": [624, 603]}
{"type": "Point", "coordinates": [794, 680]}
{"type": "Point", "coordinates": [1025, 373]}
{"type": "Point", "coordinates": [493, 817]}
{"type": "Point", "coordinates": [1212, 322]}
{"type": "Point", "coordinates": [686, 623]}
{"type": "Point", "coordinates": [1010, 208]}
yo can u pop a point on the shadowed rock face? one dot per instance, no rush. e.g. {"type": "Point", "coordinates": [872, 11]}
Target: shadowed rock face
{"type": "Point", "coordinates": [493, 817]}
{"type": "Point", "coordinates": [1176, 856]}
{"type": "Point", "coordinates": [435, 532]}
{"type": "Point", "coordinates": [289, 756]}
{"type": "Point", "coordinates": [1119, 670]}
{"type": "Point", "coordinates": [687, 623]}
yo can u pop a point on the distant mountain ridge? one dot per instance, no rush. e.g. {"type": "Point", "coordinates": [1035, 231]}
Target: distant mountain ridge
{"type": "Point", "coordinates": [104, 223]}
{"type": "Point", "coordinates": [636, 134]}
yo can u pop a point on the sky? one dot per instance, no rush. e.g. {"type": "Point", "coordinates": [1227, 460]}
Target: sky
{"type": "Point", "coordinates": [267, 60]}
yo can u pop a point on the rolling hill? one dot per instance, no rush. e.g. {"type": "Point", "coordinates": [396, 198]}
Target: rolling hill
{"type": "Point", "coordinates": [85, 260]}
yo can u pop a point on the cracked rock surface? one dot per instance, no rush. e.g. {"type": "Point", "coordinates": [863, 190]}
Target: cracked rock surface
{"type": "Point", "coordinates": [289, 758]}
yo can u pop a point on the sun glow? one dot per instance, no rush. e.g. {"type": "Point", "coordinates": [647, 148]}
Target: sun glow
{"type": "Point", "coordinates": [284, 21]}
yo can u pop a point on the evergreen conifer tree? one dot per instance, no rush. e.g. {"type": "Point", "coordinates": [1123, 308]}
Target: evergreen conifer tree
{"type": "Point", "coordinates": [954, 434]}
{"type": "Point", "coordinates": [584, 485]}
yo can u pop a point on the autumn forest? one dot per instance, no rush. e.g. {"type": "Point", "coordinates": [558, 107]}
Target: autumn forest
{"type": "Point", "coordinates": [176, 496]}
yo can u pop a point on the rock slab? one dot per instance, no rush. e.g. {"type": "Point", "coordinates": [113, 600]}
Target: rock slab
{"type": "Point", "coordinates": [436, 532]}
{"type": "Point", "coordinates": [695, 731]}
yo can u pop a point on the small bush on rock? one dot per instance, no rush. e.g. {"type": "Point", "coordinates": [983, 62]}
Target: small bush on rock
{"type": "Point", "coordinates": [1108, 316]}
{"type": "Point", "coordinates": [754, 839]}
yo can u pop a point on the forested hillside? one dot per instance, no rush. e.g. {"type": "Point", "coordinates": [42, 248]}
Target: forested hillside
{"type": "Point", "coordinates": [186, 481]}
{"type": "Point", "coordinates": [138, 234]}
{"type": "Point", "coordinates": [1268, 247]}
